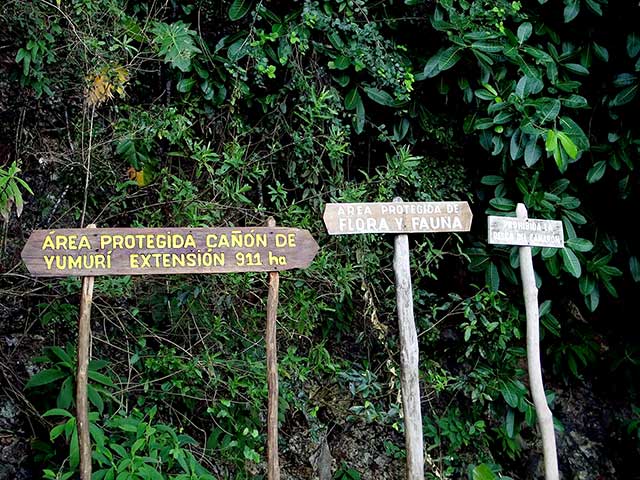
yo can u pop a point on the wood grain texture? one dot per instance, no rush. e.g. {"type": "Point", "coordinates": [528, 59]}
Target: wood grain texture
{"type": "Point", "coordinates": [543, 413]}
{"type": "Point", "coordinates": [395, 217]}
{"type": "Point", "coordinates": [82, 403]}
{"type": "Point", "coordinates": [408, 360]}
{"type": "Point", "coordinates": [163, 251]}
{"type": "Point", "coordinates": [273, 462]}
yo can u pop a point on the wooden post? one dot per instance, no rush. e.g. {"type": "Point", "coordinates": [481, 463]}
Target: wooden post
{"type": "Point", "coordinates": [82, 404]}
{"type": "Point", "coordinates": [408, 359]}
{"type": "Point", "coordinates": [545, 418]}
{"type": "Point", "coordinates": [273, 465]}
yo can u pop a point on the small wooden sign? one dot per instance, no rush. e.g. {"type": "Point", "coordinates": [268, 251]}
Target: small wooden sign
{"type": "Point", "coordinates": [397, 217]}
{"type": "Point", "coordinates": [163, 251]}
{"type": "Point", "coordinates": [526, 232]}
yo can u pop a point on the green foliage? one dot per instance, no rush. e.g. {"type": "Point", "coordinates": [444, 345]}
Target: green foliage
{"type": "Point", "coordinates": [229, 113]}
{"type": "Point", "coordinates": [60, 376]}
{"type": "Point", "coordinates": [10, 194]}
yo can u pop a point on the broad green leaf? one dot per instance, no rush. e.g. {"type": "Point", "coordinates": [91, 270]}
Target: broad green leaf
{"type": "Point", "coordinates": [483, 472]}
{"type": "Point", "coordinates": [571, 262]}
{"type": "Point", "coordinates": [551, 143]}
{"type": "Point", "coordinates": [510, 394]}
{"type": "Point", "coordinates": [45, 377]}
{"type": "Point", "coordinates": [239, 8]}
{"type": "Point", "coordinates": [502, 204]}
{"type": "Point", "coordinates": [449, 58]}
{"type": "Point", "coordinates": [100, 378]}
{"type": "Point", "coordinates": [576, 68]}
{"type": "Point", "coordinates": [624, 96]}
{"type": "Point", "coordinates": [594, 6]}
{"type": "Point", "coordinates": [74, 450]}
{"type": "Point", "coordinates": [352, 98]}
{"type": "Point", "coordinates": [633, 44]}
{"type": "Point", "coordinates": [575, 101]}
{"type": "Point", "coordinates": [576, 133]}
{"type": "Point", "coordinates": [634, 267]}
{"type": "Point", "coordinates": [601, 52]}
{"type": "Point", "coordinates": [431, 68]}
{"type": "Point", "coordinates": [340, 63]}
{"type": "Point", "coordinates": [57, 412]}
{"type": "Point", "coordinates": [579, 244]}
{"type": "Point", "coordinates": [360, 117]}
{"type": "Point", "coordinates": [62, 356]}
{"type": "Point", "coordinates": [524, 31]}
{"type": "Point", "coordinates": [380, 96]}
{"type": "Point", "coordinates": [95, 398]}
{"type": "Point", "coordinates": [568, 145]}
{"type": "Point", "coordinates": [624, 80]}
{"type": "Point", "coordinates": [185, 85]}
{"type": "Point", "coordinates": [532, 152]}
{"type": "Point", "coordinates": [510, 423]}
{"type": "Point", "coordinates": [587, 283]}
{"type": "Point", "coordinates": [65, 397]}
{"type": "Point", "coordinates": [488, 46]}
{"type": "Point", "coordinates": [492, 278]}
{"type": "Point", "coordinates": [575, 217]}
{"type": "Point", "coordinates": [597, 171]}
{"type": "Point", "coordinates": [593, 299]}
{"type": "Point", "coordinates": [491, 180]}
{"type": "Point", "coordinates": [548, 110]}
{"type": "Point", "coordinates": [571, 10]}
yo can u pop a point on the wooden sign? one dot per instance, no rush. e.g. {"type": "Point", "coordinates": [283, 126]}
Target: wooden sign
{"type": "Point", "coordinates": [397, 217]}
{"type": "Point", "coordinates": [163, 251]}
{"type": "Point", "coordinates": [402, 218]}
{"type": "Point", "coordinates": [527, 232]}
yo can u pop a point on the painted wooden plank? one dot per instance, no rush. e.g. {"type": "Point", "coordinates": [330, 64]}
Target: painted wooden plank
{"type": "Point", "coordinates": [409, 357]}
{"type": "Point", "coordinates": [163, 251]}
{"type": "Point", "coordinates": [397, 217]}
{"type": "Point", "coordinates": [534, 367]}
{"type": "Point", "coordinates": [526, 232]}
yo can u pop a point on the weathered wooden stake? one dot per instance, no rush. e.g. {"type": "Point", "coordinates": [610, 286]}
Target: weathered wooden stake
{"type": "Point", "coordinates": [82, 404]}
{"type": "Point", "coordinates": [545, 418]}
{"type": "Point", "coordinates": [273, 464]}
{"type": "Point", "coordinates": [408, 359]}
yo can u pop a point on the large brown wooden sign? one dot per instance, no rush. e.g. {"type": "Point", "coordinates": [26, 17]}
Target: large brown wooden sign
{"type": "Point", "coordinates": [397, 217]}
{"type": "Point", "coordinates": [162, 251]}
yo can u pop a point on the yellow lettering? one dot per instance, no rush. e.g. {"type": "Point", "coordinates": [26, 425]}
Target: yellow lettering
{"type": "Point", "coordinates": [129, 241]}
{"type": "Point", "coordinates": [261, 240]}
{"type": "Point", "coordinates": [74, 262]}
{"type": "Point", "coordinates": [133, 260]}
{"type": "Point", "coordinates": [116, 241]}
{"type": "Point", "coordinates": [61, 242]}
{"type": "Point", "coordinates": [189, 241]}
{"type": "Point", "coordinates": [105, 240]}
{"type": "Point", "coordinates": [292, 240]}
{"type": "Point", "coordinates": [211, 240]}
{"type": "Point", "coordinates": [236, 238]}
{"type": "Point", "coordinates": [100, 261]}
{"type": "Point", "coordinates": [48, 242]}
{"type": "Point", "coordinates": [281, 240]}
{"type": "Point", "coordinates": [48, 260]}
{"type": "Point", "coordinates": [72, 242]}
{"type": "Point", "coordinates": [223, 241]}
{"type": "Point", "coordinates": [84, 243]}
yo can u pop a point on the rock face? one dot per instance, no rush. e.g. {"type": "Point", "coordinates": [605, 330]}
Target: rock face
{"type": "Point", "coordinates": [14, 447]}
{"type": "Point", "coordinates": [586, 446]}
